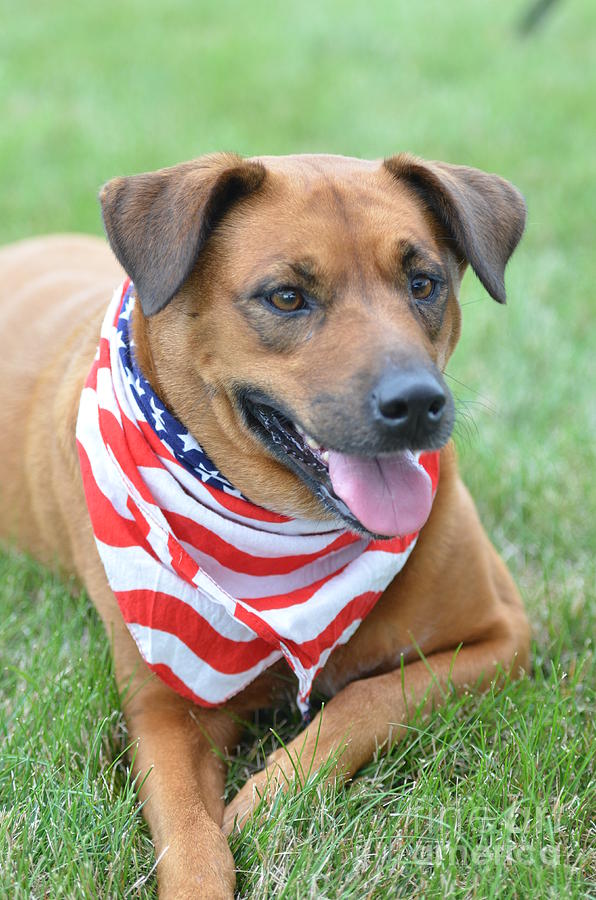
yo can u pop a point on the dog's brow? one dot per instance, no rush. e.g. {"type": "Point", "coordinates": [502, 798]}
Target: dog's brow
{"type": "Point", "coordinates": [281, 272]}
{"type": "Point", "coordinates": [407, 252]}
{"type": "Point", "coordinates": [305, 271]}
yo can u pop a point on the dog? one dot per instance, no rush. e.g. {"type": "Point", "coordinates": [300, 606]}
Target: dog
{"type": "Point", "coordinates": [260, 451]}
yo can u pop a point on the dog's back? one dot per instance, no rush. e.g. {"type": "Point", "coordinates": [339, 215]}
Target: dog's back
{"type": "Point", "coordinates": [53, 292]}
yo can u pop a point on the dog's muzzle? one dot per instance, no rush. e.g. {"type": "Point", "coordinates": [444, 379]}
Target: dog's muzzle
{"type": "Point", "coordinates": [410, 406]}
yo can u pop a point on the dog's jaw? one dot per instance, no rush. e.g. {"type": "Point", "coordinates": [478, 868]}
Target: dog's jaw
{"type": "Point", "coordinates": [377, 496]}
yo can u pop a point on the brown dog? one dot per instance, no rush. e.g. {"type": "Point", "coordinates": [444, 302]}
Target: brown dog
{"type": "Point", "coordinates": [315, 291]}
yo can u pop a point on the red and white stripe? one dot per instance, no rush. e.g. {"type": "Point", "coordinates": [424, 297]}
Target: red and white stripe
{"type": "Point", "coordinates": [214, 589]}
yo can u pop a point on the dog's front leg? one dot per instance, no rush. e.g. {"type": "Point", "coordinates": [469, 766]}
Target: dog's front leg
{"type": "Point", "coordinates": [373, 712]}
{"type": "Point", "coordinates": [178, 746]}
{"type": "Point", "coordinates": [177, 749]}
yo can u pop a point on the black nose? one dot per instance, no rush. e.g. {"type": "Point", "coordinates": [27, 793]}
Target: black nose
{"type": "Point", "coordinates": [411, 403]}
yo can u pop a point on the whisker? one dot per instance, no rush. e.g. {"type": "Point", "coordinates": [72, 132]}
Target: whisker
{"type": "Point", "coordinates": [466, 386]}
{"type": "Point", "coordinates": [489, 407]}
{"type": "Point", "coordinates": [465, 432]}
{"type": "Point", "coordinates": [465, 426]}
{"type": "Point", "coordinates": [469, 302]}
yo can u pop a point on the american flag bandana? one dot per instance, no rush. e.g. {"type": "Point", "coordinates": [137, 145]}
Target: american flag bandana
{"type": "Point", "coordinates": [213, 588]}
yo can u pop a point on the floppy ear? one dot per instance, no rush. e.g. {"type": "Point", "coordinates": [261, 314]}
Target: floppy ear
{"type": "Point", "coordinates": [157, 223]}
{"type": "Point", "coordinates": [483, 214]}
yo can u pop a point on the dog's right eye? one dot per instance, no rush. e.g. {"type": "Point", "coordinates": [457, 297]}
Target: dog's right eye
{"type": "Point", "coordinates": [287, 300]}
{"type": "Point", "coordinates": [422, 287]}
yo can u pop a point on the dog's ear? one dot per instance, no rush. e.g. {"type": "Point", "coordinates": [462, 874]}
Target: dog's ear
{"type": "Point", "coordinates": [157, 223]}
{"type": "Point", "coordinates": [483, 214]}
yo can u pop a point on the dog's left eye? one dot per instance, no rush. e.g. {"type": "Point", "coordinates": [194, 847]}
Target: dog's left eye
{"type": "Point", "coordinates": [287, 300]}
{"type": "Point", "coordinates": [422, 287]}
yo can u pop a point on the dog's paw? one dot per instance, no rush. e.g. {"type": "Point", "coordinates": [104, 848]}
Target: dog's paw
{"type": "Point", "coordinates": [261, 788]}
{"type": "Point", "coordinates": [197, 864]}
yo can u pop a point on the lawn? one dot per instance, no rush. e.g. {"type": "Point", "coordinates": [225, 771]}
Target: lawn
{"type": "Point", "coordinates": [494, 796]}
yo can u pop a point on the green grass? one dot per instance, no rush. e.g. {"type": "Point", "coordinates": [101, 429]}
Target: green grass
{"type": "Point", "coordinates": [494, 796]}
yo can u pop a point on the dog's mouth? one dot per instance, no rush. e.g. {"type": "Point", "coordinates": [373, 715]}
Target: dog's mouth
{"type": "Point", "coordinates": [384, 496]}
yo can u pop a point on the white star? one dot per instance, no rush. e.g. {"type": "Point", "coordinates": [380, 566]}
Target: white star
{"type": "Point", "coordinates": [134, 382]}
{"type": "Point", "coordinates": [188, 441]}
{"type": "Point", "coordinates": [119, 342]}
{"type": "Point", "coordinates": [217, 476]}
{"type": "Point", "coordinates": [125, 314]}
{"type": "Point", "coordinates": [158, 416]}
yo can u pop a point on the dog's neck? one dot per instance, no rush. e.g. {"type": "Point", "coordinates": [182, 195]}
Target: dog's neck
{"type": "Point", "coordinates": [142, 351]}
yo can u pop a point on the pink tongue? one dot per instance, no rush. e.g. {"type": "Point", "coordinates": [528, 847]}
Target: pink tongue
{"type": "Point", "coordinates": [389, 495]}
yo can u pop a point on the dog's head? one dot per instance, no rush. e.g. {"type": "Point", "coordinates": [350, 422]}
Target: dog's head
{"type": "Point", "coordinates": [297, 313]}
